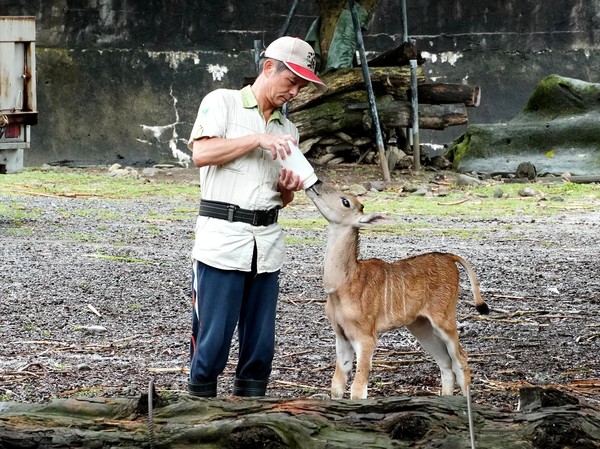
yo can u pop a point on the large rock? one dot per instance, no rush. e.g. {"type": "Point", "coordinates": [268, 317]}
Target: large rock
{"type": "Point", "coordinates": [557, 131]}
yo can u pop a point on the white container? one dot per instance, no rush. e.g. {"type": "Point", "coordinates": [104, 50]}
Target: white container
{"type": "Point", "coordinates": [297, 163]}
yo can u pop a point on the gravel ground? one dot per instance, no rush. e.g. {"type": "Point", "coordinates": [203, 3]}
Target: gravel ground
{"type": "Point", "coordinates": [95, 301]}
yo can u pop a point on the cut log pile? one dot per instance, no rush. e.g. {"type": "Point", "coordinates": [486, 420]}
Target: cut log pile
{"type": "Point", "coordinates": [336, 126]}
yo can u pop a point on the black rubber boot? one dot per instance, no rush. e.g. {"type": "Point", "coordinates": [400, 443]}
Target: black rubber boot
{"type": "Point", "coordinates": [203, 389]}
{"type": "Point", "coordinates": [249, 387]}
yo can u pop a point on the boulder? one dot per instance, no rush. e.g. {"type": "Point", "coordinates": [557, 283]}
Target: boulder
{"type": "Point", "coordinates": [557, 131]}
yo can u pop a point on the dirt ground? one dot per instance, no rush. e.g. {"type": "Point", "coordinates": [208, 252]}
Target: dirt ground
{"type": "Point", "coordinates": [95, 301]}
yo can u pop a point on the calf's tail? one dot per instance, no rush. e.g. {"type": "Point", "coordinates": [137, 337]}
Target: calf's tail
{"type": "Point", "coordinates": [480, 304]}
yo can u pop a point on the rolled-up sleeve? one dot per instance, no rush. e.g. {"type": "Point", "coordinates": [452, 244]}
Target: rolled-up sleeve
{"type": "Point", "coordinates": [211, 120]}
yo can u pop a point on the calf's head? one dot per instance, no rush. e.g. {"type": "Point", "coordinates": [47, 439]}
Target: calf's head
{"type": "Point", "coordinates": [338, 208]}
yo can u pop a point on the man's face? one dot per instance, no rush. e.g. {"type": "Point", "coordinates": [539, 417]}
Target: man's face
{"type": "Point", "coordinates": [285, 85]}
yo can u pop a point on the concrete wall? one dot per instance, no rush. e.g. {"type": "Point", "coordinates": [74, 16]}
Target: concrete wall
{"type": "Point", "coordinates": [121, 81]}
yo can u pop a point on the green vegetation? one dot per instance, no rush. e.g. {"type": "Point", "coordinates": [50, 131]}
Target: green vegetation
{"type": "Point", "coordinates": [90, 183]}
{"type": "Point", "coordinates": [291, 240]}
{"type": "Point", "coordinates": [175, 215]}
{"type": "Point", "coordinates": [18, 212]}
{"type": "Point", "coordinates": [407, 214]}
{"type": "Point", "coordinates": [479, 202]}
{"type": "Point", "coordinates": [119, 258]}
{"type": "Point", "coordinates": [96, 214]}
{"type": "Point", "coordinates": [19, 231]}
{"type": "Point", "coordinates": [82, 237]}
{"type": "Point", "coordinates": [412, 214]}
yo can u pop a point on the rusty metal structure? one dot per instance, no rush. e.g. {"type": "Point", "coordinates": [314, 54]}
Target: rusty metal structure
{"type": "Point", "coordinates": [18, 105]}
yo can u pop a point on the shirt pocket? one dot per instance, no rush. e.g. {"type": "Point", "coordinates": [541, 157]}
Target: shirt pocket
{"type": "Point", "coordinates": [241, 164]}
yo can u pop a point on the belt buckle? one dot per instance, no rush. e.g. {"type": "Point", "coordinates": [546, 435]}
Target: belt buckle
{"type": "Point", "coordinates": [231, 212]}
{"type": "Point", "coordinates": [257, 218]}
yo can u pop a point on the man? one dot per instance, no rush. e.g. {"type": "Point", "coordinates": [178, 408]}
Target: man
{"type": "Point", "coordinates": [239, 249]}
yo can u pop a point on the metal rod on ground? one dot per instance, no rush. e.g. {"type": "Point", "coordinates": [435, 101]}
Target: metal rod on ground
{"type": "Point", "coordinates": [367, 76]}
{"type": "Point", "coordinates": [257, 52]}
{"type": "Point", "coordinates": [414, 131]}
{"type": "Point", "coordinates": [415, 115]}
{"type": "Point", "coordinates": [405, 39]}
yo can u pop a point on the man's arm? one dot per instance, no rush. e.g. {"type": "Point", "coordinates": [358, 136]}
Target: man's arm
{"type": "Point", "coordinates": [218, 151]}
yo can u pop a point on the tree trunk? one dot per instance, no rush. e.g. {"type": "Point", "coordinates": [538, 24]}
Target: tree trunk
{"type": "Point", "coordinates": [431, 116]}
{"type": "Point", "coordinates": [547, 421]}
{"type": "Point", "coordinates": [329, 12]}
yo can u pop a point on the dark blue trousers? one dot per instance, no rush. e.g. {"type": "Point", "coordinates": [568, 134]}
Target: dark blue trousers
{"type": "Point", "coordinates": [223, 299]}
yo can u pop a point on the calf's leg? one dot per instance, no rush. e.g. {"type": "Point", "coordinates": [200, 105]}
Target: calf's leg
{"type": "Point", "coordinates": [364, 356]}
{"type": "Point", "coordinates": [343, 365]}
{"type": "Point", "coordinates": [428, 336]}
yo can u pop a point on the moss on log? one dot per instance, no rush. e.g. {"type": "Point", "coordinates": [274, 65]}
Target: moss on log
{"type": "Point", "coordinates": [548, 421]}
{"type": "Point", "coordinates": [385, 80]}
{"type": "Point", "coordinates": [350, 111]}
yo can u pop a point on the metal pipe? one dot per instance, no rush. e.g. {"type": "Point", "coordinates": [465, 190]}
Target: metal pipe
{"type": "Point", "coordinates": [288, 20]}
{"type": "Point", "coordinates": [257, 52]}
{"type": "Point", "coordinates": [373, 106]}
{"type": "Point", "coordinates": [414, 131]}
{"type": "Point", "coordinates": [404, 22]}
{"type": "Point", "coordinates": [415, 115]}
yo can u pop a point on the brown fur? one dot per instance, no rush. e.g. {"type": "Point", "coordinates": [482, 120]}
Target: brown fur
{"type": "Point", "coordinates": [368, 297]}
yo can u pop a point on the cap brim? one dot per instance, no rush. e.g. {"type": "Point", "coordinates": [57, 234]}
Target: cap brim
{"type": "Point", "coordinates": [306, 74]}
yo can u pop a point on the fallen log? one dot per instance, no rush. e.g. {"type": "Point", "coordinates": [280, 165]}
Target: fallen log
{"type": "Point", "coordinates": [350, 111]}
{"type": "Point", "coordinates": [431, 116]}
{"type": "Point", "coordinates": [398, 56]}
{"type": "Point", "coordinates": [549, 419]}
{"type": "Point", "coordinates": [385, 80]}
{"type": "Point", "coordinates": [444, 93]}
{"type": "Point", "coordinates": [329, 117]}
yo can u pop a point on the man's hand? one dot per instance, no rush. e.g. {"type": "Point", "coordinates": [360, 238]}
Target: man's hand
{"type": "Point", "coordinates": [277, 144]}
{"type": "Point", "coordinates": [288, 183]}
{"type": "Point", "coordinates": [288, 180]}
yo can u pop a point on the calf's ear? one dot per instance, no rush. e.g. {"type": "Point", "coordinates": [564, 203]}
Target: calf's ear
{"type": "Point", "coordinates": [371, 219]}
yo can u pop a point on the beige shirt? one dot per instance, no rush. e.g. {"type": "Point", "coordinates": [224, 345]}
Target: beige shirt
{"type": "Point", "coordinates": [249, 181]}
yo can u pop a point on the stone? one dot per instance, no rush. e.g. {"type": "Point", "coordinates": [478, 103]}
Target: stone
{"type": "Point", "coordinates": [378, 185]}
{"type": "Point", "coordinates": [357, 189]}
{"type": "Point", "coordinates": [528, 192]}
{"type": "Point", "coordinates": [464, 180]}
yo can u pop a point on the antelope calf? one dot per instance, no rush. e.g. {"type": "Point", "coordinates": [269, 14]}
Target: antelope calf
{"type": "Point", "coordinates": [368, 297]}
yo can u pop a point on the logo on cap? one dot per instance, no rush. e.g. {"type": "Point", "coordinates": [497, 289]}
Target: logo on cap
{"type": "Point", "coordinates": [298, 56]}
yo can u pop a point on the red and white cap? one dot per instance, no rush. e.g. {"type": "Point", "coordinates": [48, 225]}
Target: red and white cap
{"type": "Point", "coordinates": [298, 56]}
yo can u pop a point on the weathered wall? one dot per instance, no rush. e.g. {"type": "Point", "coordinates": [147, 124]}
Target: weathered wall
{"type": "Point", "coordinates": [121, 81]}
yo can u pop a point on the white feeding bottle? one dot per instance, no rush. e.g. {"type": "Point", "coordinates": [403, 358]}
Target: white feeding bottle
{"type": "Point", "coordinates": [297, 163]}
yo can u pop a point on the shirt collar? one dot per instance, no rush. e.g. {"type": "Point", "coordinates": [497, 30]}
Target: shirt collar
{"type": "Point", "coordinates": [249, 102]}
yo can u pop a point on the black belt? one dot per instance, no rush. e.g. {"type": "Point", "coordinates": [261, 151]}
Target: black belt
{"type": "Point", "coordinates": [232, 212]}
